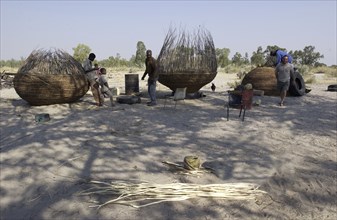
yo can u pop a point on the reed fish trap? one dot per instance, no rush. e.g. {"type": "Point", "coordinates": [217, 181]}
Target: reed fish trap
{"type": "Point", "coordinates": [50, 77]}
{"type": "Point", "coordinates": [187, 60]}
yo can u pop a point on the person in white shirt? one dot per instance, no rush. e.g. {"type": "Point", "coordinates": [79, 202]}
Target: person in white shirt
{"type": "Point", "coordinates": [105, 89]}
{"type": "Point", "coordinates": [92, 77]}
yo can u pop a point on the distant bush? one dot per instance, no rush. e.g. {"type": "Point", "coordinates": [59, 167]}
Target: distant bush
{"type": "Point", "coordinates": [234, 84]}
{"type": "Point", "coordinates": [236, 69]}
{"type": "Point", "coordinates": [328, 71]}
{"type": "Point", "coordinates": [124, 69]}
{"type": "Point", "coordinates": [311, 79]}
{"type": "Point", "coordinates": [8, 69]}
{"type": "Point", "coordinates": [303, 70]}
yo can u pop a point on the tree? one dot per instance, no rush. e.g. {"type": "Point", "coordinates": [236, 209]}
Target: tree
{"type": "Point", "coordinates": [257, 57]}
{"type": "Point", "coordinates": [307, 56]}
{"type": "Point", "coordinates": [81, 52]}
{"type": "Point", "coordinates": [222, 56]}
{"type": "Point", "coordinates": [273, 48]}
{"type": "Point", "coordinates": [110, 62]}
{"type": "Point", "coordinates": [237, 59]}
{"type": "Point", "coordinates": [140, 54]}
{"type": "Point", "coordinates": [246, 59]}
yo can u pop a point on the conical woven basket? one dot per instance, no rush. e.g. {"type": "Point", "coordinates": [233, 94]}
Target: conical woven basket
{"type": "Point", "coordinates": [187, 60]}
{"type": "Point", "coordinates": [47, 89]}
{"type": "Point", "coordinates": [50, 78]}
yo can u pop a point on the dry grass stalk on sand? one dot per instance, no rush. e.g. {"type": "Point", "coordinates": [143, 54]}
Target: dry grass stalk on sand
{"type": "Point", "coordinates": [181, 169]}
{"type": "Point", "coordinates": [50, 77]}
{"type": "Point", "coordinates": [136, 195]}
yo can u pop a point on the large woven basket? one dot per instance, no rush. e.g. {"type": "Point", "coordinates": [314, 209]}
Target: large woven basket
{"type": "Point", "coordinates": [187, 60]}
{"type": "Point", "coordinates": [263, 78]}
{"type": "Point", "coordinates": [47, 89]}
{"type": "Point", "coordinates": [50, 77]}
{"type": "Point", "coordinates": [192, 81]}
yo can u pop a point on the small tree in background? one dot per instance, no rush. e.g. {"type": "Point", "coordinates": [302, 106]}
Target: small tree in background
{"type": "Point", "coordinates": [257, 57]}
{"type": "Point", "coordinates": [237, 59]}
{"type": "Point", "coordinates": [81, 52]}
{"type": "Point", "coordinates": [222, 57]}
{"type": "Point", "coordinates": [140, 54]}
{"type": "Point", "coordinates": [273, 48]}
{"type": "Point", "coordinates": [246, 59]}
{"type": "Point", "coordinates": [307, 56]}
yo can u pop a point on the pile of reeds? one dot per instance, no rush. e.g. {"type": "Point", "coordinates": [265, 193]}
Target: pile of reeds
{"type": "Point", "coordinates": [187, 59]}
{"type": "Point", "coordinates": [143, 194]}
{"type": "Point", "coordinates": [50, 77]}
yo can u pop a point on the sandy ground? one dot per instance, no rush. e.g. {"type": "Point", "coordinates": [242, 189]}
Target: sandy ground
{"type": "Point", "coordinates": [290, 152]}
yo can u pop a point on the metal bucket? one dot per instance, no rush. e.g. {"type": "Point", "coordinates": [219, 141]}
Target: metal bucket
{"type": "Point", "coordinates": [131, 84]}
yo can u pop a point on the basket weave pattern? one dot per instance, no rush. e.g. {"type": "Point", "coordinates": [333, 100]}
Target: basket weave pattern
{"type": "Point", "coordinates": [50, 77]}
{"type": "Point", "coordinates": [193, 82]}
{"type": "Point", "coordinates": [47, 89]}
{"type": "Point", "coordinates": [262, 78]}
{"type": "Point", "coordinates": [187, 60]}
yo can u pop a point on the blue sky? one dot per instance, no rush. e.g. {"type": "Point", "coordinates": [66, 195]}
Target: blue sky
{"type": "Point", "coordinates": [111, 27]}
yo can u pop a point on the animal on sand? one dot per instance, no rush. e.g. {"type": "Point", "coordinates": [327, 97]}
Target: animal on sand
{"type": "Point", "coordinates": [213, 87]}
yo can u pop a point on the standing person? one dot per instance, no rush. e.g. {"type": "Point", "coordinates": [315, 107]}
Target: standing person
{"type": "Point", "coordinates": [105, 89]}
{"type": "Point", "coordinates": [151, 69]}
{"type": "Point", "coordinates": [92, 77]}
{"type": "Point", "coordinates": [284, 72]}
{"type": "Point", "coordinates": [279, 54]}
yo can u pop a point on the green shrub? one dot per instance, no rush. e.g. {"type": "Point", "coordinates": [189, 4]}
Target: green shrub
{"type": "Point", "coordinates": [236, 69]}
{"type": "Point", "coordinates": [328, 71]}
{"type": "Point", "coordinates": [310, 79]}
{"type": "Point", "coordinates": [234, 84]}
{"type": "Point", "coordinates": [303, 70]}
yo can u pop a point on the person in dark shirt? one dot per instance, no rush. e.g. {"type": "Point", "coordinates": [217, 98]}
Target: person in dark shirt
{"type": "Point", "coordinates": [279, 54]}
{"type": "Point", "coordinates": [151, 70]}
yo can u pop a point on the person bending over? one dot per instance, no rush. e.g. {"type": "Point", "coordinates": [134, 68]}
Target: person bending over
{"type": "Point", "coordinates": [279, 54]}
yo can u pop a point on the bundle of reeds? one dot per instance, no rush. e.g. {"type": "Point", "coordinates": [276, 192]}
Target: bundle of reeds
{"type": "Point", "coordinates": [50, 77]}
{"type": "Point", "coordinates": [187, 60]}
{"type": "Point", "coordinates": [144, 194]}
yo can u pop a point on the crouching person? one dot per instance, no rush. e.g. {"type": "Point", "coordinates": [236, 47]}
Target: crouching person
{"type": "Point", "coordinates": [105, 89]}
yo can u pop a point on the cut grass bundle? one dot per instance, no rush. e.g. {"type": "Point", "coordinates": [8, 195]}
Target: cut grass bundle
{"type": "Point", "coordinates": [182, 169]}
{"type": "Point", "coordinates": [143, 194]}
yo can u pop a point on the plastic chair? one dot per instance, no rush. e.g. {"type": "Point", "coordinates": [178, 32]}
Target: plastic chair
{"type": "Point", "coordinates": [242, 100]}
{"type": "Point", "coordinates": [179, 94]}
